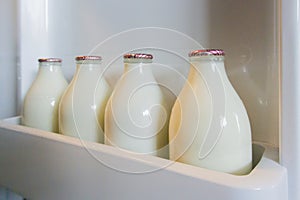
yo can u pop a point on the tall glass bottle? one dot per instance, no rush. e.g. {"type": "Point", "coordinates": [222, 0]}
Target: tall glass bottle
{"type": "Point", "coordinates": [136, 116]}
{"type": "Point", "coordinates": [81, 110]}
{"type": "Point", "coordinates": [209, 125]}
{"type": "Point", "coordinates": [40, 108]}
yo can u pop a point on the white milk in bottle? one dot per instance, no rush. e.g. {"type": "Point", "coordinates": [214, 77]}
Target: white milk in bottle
{"type": "Point", "coordinates": [81, 110]}
{"type": "Point", "coordinates": [40, 109]}
{"type": "Point", "coordinates": [209, 125]}
{"type": "Point", "coordinates": [136, 116]}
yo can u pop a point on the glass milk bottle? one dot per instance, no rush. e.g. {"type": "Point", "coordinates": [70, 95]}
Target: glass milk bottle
{"type": "Point", "coordinates": [136, 118]}
{"type": "Point", "coordinates": [81, 111]}
{"type": "Point", "coordinates": [40, 109]}
{"type": "Point", "coordinates": [209, 125]}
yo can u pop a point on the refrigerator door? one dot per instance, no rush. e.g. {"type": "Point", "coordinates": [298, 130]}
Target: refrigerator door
{"type": "Point", "coordinates": [43, 165]}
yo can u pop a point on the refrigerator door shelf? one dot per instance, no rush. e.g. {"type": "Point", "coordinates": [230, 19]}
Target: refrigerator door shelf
{"type": "Point", "coordinates": [42, 165]}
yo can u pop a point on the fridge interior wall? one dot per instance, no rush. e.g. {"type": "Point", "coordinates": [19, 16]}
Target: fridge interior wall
{"type": "Point", "coordinates": [8, 58]}
{"type": "Point", "coordinates": [248, 31]}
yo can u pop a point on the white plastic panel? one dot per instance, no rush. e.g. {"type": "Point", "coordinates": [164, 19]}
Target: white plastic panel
{"type": "Point", "coordinates": [8, 68]}
{"type": "Point", "coordinates": [290, 138]}
{"type": "Point", "coordinates": [8, 58]}
{"type": "Point", "coordinates": [43, 165]}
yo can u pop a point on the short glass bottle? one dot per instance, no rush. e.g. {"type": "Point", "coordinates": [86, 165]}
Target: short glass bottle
{"type": "Point", "coordinates": [136, 116]}
{"type": "Point", "coordinates": [40, 108]}
{"type": "Point", "coordinates": [209, 125]}
{"type": "Point", "coordinates": [81, 110]}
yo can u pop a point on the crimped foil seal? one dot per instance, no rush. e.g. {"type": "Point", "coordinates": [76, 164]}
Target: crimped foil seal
{"type": "Point", "coordinates": [137, 56]}
{"type": "Point", "coordinates": [50, 60]}
{"type": "Point", "coordinates": [80, 58]}
{"type": "Point", "coordinates": [207, 52]}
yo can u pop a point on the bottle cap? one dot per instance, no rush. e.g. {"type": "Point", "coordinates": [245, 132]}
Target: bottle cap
{"type": "Point", "coordinates": [207, 52]}
{"type": "Point", "coordinates": [79, 58]}
{"type": "Point", "coordinates": [137, 56]}
{"type": "Point", "coordinates": [50, 60]}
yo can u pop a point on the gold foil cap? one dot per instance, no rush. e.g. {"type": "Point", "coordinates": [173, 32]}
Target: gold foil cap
{"type": "Point", "coordinates": [137, 56]}
{"type": "Point", "coordinates": [207, 52]}
{"type": "Point", "coordinates": [50, 60]}
{"type": "Point", "coordinates": [81, 58]}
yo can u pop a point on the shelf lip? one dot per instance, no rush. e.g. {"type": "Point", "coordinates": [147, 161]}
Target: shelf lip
{"type": "Point", "coordinates": [267, 174]}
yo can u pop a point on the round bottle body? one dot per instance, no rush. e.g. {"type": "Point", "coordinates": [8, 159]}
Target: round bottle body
{"type": "Point", "coordinates": [136, 116]}
{"type": "Point", "coordinates": [40, 109]}
{"type": "Point", "coordinates": [209, 125]}
{"type": "Point", "coordinates": [81, 111]}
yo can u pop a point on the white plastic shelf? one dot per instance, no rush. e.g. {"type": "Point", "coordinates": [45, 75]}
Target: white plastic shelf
{"type": "Point", "coordinates": [43, 165]}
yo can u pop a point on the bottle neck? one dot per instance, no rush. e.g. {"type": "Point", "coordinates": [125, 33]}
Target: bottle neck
{"type": "Point", "coordinates": [207, 67]}
{"type": "Point", "coordinates": [49, 68]}
{"type": "Point", "coordinates": [88, 66]}
{"type": "Point", "coordinates": [88, 71]}
{"type": "Point", "coordinates": [140, 66]}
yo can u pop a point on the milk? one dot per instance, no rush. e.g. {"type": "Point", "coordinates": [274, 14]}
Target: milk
{"type": "Point", "coordinates": [136, 116]}
{"type": "Point", "coordinates": [40, 108]}
{"type": "Point", "coordinates": [209, 125]}
{"type": "Point", "coordinates": [81, 111]}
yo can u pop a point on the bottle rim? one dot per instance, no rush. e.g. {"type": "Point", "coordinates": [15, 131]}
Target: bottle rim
{"type": "Point", "coordinates": [81, 58]}
{"type": "Point", "coordinates": [137, 56]}
{"type": "Point", "coordinates": [41, 60]}
{"type": "Point", "coordinates": [207, 52]}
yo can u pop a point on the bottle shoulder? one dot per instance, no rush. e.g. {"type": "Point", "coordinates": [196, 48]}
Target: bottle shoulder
{"type": "Point", "coordinates": [47, 86]}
